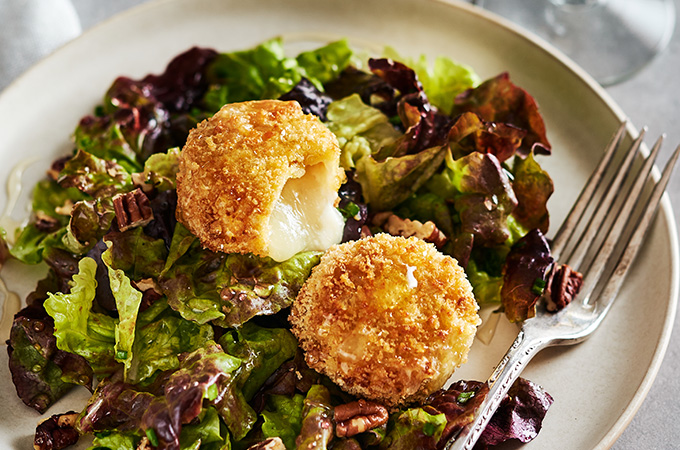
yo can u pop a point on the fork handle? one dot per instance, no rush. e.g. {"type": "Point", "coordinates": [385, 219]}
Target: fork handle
{"type": "Point", "coordinates": [504, 375]}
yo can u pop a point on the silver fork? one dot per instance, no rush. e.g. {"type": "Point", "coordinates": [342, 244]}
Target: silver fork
{"type": "Point", "coordinates": [601, 244]}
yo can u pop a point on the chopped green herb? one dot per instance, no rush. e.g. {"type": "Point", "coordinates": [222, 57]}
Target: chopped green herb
{"type": "Point", "coordinates": [538, 286]}
{"type": "Point", "coordinates": [463, 397]}
{"type": "Point", "coordinates": [213, 392]}
{"type": "Point", "coordinates": [350, 210]}
{"type": "Point", "coordinates": [151, 435]}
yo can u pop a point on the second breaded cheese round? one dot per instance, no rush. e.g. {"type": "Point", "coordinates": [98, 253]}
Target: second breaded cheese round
{"type": "Point", "coordinates": [261, 177]}
{"type": "Point", "coordinates": [386, 318]}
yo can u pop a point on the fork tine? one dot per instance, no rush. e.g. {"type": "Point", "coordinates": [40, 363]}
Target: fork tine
{"type": "Point", "coordinates": [584, 241]}
{"type": "Point", "coordinates": [569, 224]}
{"type": "Point", "coordinates": [613, 240]}
{"type": "Point", "coordinates": [637, 235]}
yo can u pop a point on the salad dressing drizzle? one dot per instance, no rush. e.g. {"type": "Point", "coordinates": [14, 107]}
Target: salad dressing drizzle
{"type": "Point", "coordinates": [14, 187]}
{"type": "Point", "coordinates": [11, 302]}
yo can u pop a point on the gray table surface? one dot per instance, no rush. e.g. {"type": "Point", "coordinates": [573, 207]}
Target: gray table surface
{"type": "Point", "coordinates": [652, 98]}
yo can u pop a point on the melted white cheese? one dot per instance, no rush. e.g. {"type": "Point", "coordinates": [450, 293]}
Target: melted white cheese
{"type": "Point", "coordinates": [304, 217]}
{"type": "Point", "coordinates": [412, 281]}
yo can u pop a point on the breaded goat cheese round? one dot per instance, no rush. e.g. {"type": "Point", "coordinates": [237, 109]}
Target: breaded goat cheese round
{"type": "Point", "coordinates": [261, 177]}
{"type": "Point", "coordinates": [386, 318]}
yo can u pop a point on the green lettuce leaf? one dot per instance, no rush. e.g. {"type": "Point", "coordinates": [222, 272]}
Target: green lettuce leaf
{"type": "Point", "coordinates": [262, 350]}
{"type": "Point", "coordinates": [317, 420]}
{"type": "Point", "coordinates": [482, 195]}
{"type": "Point", "coordinates": [533, 187]}
{"type": "Point", "coordinates": [229, 289]}
{"type": "Point", "coordinates": [470, 133]}
{"type": "Point", "coordinates": [137, 254]}
{"type": "Point", "coordinates": [524, 276]}
{"type": "Point", "coordinates": [32, 242]}
{"type": "Point", "coordinates": [387, 183]}
{"type": "Point", "coordinates": [102, 340]}
{"type": "Point", "coordinates": [265, 72]}
{"type": "Point", "coordinates": [42, 373]}
{"type": "Point", "coordinates": [182, 241]}
{"type": "Point", "coordinates": [115, 441]}
{"type": "Point", "coordinates": [361, 129]}
{"type": "Point", "coordinates": [262, 286]}
{"type": "Point", "coordinates": [426, 206]}
{"type": "Point", "coordinates": [282, 417]}
{"type": "Point", "coordinates": [128, 300]}
{"type": "Point", "coordinates": [49, 196]}
{"type": "Point", "coordinates": [160, 170]}
{"type": "Point", "coordinates": [487, 288]}
{"type": "Point", "coordinates": [414, 428]}
{"type": "Point", "coordinates": [90, 220]}
{"type": "Point", "coordinates": [499, 100]}
{"type": "Point", "coordinates": [442, 80]}
{"type": "Point", "coordinates": [201, 381]}
{"type": "Point", "coordinates": [192, 284]}
{"type": "Point", "coordinates": [324, 64]}
{"type": "Point", "coordinates": [50, 204]}
{"type": "Point", "coordinates": [104, 139]}
{"type": "Point", "coordinates": [207, 431]}
{"type": "Point", "coordinates": [95, 176]}
{"type": "Point", "coordinates": [158, 343]}
{"type": "Point", "coordinates": [78, 329]}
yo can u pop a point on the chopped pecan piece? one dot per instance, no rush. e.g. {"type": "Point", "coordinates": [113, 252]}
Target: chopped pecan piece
{"type": "Point", "coordinates": [65, 209]}
{"type": "Point", "coordinates": [274, 443]}
{"type": "Point", "coordinates": [150, 290]}
{"type": "Point", "coordinates": [132, 209]}
{"type": "Point", "coordinates": [145, 444]}
{"type": "Point", "coordinates": [356, 417]}
{"type": "Point", "coordinates": [45, 223]}
{"type": "Point", "coordinates": [57, 432]}
{"type": "Point", "coordinates": [139, 180]}
{"type": "Point", "coordinates": [57, 166]}
{"type": "Point", "coordinates": [396, 226]}
{"type": "Point", "coordinates": [146, 284]}
{"type": "Point", "coordinates": [563, 285]}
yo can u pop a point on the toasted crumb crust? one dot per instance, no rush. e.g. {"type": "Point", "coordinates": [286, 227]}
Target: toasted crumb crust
{"type": "Point", "coordinates": [234, 165]}
{"type": "Point", "coordinates": [386, 318]}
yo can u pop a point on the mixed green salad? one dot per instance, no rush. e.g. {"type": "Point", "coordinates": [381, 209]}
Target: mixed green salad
{"type": "Point", "coordinates": [135, 310]}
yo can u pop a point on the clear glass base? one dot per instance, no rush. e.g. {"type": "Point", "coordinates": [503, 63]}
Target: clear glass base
{"type": "Point", "coordinates": [610, 39]}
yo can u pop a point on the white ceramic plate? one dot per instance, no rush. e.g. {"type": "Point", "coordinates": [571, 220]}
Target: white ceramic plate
{"type": "Point", "coordinates": [597, 385]}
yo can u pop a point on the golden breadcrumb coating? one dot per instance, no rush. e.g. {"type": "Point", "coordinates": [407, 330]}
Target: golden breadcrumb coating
{"type": "Point", "coordinates": [386, 318]}
{"type": "Point", "coordinates": [234, 166]}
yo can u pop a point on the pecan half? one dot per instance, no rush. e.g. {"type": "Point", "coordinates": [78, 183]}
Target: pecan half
{"type": "Point", "coordinates": [396, 226]}
{"type": "Point", "coordinates": [56, 432]}
{"type": "Point", "coordinates": [274, 443]}
{"type": "Point", "coordinates": [563, 285]}
{"type": "Point", "coordinates": [356, 417]}
{"type": "Point", "coordinates": [132, 209]}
